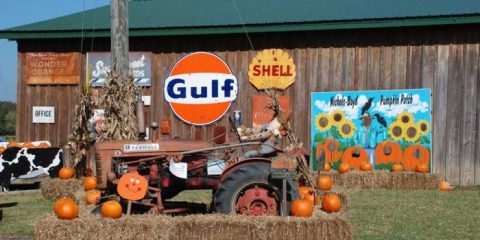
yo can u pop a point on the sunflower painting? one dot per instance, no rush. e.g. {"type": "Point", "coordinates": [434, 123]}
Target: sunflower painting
{"type": "Point", "coordinates": [372, 120]}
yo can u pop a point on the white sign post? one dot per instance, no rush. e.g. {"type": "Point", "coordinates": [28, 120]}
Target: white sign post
{"type": "Point", "coordinates": [43, 114]}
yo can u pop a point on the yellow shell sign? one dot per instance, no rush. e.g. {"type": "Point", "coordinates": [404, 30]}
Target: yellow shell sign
{"type": "Point", "coordinates": [272, 68]}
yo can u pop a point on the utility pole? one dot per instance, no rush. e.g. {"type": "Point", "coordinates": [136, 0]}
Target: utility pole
{"type": "Point", "coordinates": [119, 37]}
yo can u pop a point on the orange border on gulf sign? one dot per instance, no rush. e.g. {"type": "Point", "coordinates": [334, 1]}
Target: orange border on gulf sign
{"type": "Point", "coordinates": [272, 68]}
{"type": "Point", "coordinates": [200, 88]}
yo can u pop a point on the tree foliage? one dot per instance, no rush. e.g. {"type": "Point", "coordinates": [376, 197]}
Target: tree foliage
{"type": "Point", "coordinates": [7, 118]}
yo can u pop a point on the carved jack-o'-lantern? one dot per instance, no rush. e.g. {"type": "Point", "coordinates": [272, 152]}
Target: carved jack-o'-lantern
{"type": "Point", "coordinates": [132, 186]}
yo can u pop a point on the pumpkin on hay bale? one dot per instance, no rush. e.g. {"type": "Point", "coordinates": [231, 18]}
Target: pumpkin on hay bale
{"type": "Point", "coordinates": [210, 226]}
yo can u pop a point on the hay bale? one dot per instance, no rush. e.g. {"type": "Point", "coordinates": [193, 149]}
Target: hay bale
{"type": "Point", "coordinates": [212, 226]}
{"type": "Point", "coordinates": [55, 188]}
{"type": "Point", "coordinates": [386, 180]}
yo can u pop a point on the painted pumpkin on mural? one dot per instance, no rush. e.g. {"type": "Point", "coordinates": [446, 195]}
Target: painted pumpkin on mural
{"type": "Point", "coordinates": [354, 156]}
{"type": "Point", "coordinates": [414, 155]}
{"type": "Point", "coordinates": [328, 150]}
{"type": "Point", "coordinates": [132, 186]}
{"type": "Point", "coordinates": [388, 152]}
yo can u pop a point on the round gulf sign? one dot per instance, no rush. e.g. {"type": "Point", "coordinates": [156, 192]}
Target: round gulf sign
{"type": "Point", "coordinates": [200, 88]}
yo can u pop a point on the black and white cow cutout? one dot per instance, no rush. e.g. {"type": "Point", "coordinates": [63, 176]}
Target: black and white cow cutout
{"type": "Point", "coordinates": [27, 163]}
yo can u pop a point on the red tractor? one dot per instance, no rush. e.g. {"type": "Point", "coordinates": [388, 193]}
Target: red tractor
{"type": "Point", "coordinates": [240, 185]}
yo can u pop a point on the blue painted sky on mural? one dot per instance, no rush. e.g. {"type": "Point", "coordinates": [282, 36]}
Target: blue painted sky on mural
{"type": "Point", "coordinates": [19, 12]}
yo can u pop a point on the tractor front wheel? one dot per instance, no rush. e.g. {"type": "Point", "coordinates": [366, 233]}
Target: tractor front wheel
{"type": "Point", "coordinates": [249, 190]}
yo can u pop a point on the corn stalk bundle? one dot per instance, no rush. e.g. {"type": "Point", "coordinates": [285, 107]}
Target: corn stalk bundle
{"type": "Point", "coordinates": [119, 101]}
{"type": "Point", "coordinates": [79, 139]}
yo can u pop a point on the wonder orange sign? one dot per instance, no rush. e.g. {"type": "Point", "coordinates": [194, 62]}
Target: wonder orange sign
{"type": "Point", "coordinates": [272, 68]}
{"type": "Point", "coordinates": [200, 88]}
{"type": "Point", "coordinates": [52, 68]}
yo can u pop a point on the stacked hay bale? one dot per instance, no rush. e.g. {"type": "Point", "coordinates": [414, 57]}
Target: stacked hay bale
{"type": "Point", "coordinates": [386, 180]}
{"type": "Point", "coordinates": [213, 226]}
{"type": "Point", "coordinates": [55, 188]}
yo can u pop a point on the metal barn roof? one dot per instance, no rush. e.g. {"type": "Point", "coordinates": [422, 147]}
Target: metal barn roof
{"type": "Point", "coordinates": [189, 17]}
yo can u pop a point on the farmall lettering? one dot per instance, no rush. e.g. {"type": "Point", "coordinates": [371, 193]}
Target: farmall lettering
{"type": "Point", "coordinates": [200, 88]}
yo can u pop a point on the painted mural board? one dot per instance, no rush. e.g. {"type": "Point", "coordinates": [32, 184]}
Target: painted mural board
{"type": "Point", "coordinates": [382, 127]}
{"type": "Point", "coordinates": [100, 64]}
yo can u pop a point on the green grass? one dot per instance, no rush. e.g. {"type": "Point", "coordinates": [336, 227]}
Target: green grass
{"type": "Point", "coordinates": [389, 214]}
{"type": "Point", "coordinates": [375, 214]}
{"type": "Point", "coordinates": [20, 220]}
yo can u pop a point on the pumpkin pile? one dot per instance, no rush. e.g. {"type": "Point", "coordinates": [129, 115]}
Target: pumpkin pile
{"type": "Point", "coordinates": [67, 209]}
{"type": "Point", "coordinates": [308, 198]}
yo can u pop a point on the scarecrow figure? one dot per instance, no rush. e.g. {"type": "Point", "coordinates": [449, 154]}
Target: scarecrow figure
{"type": "Point", "coordinates": [268, 134]}
{"type": "Point", "coordinates": [366, 137]}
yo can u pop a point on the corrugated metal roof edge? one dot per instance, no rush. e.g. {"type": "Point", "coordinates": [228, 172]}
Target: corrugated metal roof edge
{"type": "Point", "coordinates": [288, 27]}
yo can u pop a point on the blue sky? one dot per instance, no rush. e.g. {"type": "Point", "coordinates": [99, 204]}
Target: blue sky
{"type": "Point", "coordinates": [19, 12]}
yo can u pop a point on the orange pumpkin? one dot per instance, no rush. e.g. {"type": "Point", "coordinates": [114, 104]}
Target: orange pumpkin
{"type": "Point", "coordinates": [111, 209]}
{"type": "Point", "coordinates": [65, 173]}
{"type": "Point", "coordinates": [397, 167]}
{"type": "Point", "coordinates": [421, 168]}
{"type": "Point", "coordinates": [331, 203]}
{"type": "Point", "coordinates": [43, 145]}
{"type": "Point", "coordinates": [354, 156]}
{"type": "Point", "coordinates": [343, 168]}
{"type": "Point", "coordinates": [13, 144]}
{"type": "Point", "coordinates": [329, 149]}
{"type": "Point", "coordinates": [28, 145]}
{"type": "Point", "coordinates": [132, 186]}
{"type": "Point", "coordinates": [66, 208]}
{"type": "Point", "coordinates": [414, 155]}
{"type": "Point", "coordinates": [327, 167]}
{"type": "Point", "coordinates": [301, 207]}
{"type": "Point", "coordinates": [444, 186]}
{"type": "Point", "coordinates": [93, 197]}
{"type": "Point", "coordinates": [324, 182]}
{"type": "Point", "coordinates": [388, 152]}
{"type": "Point", "coordinates": [366, 167]}
{"type": "Point", "coordinates": [90, 183]}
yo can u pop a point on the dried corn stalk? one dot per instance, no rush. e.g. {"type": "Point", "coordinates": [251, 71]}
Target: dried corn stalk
{"type": "Point", "coordinates": [79, 139]}
{"type": "Point", "coordinates": [119, 101]}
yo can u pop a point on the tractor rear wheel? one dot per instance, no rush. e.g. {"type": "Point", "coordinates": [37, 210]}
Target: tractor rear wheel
{"type": "Point", "coordinates": [249, 190]}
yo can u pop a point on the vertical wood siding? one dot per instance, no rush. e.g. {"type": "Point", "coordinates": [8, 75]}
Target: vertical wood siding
{"type": "Point", "coordinates": [444, 59]}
